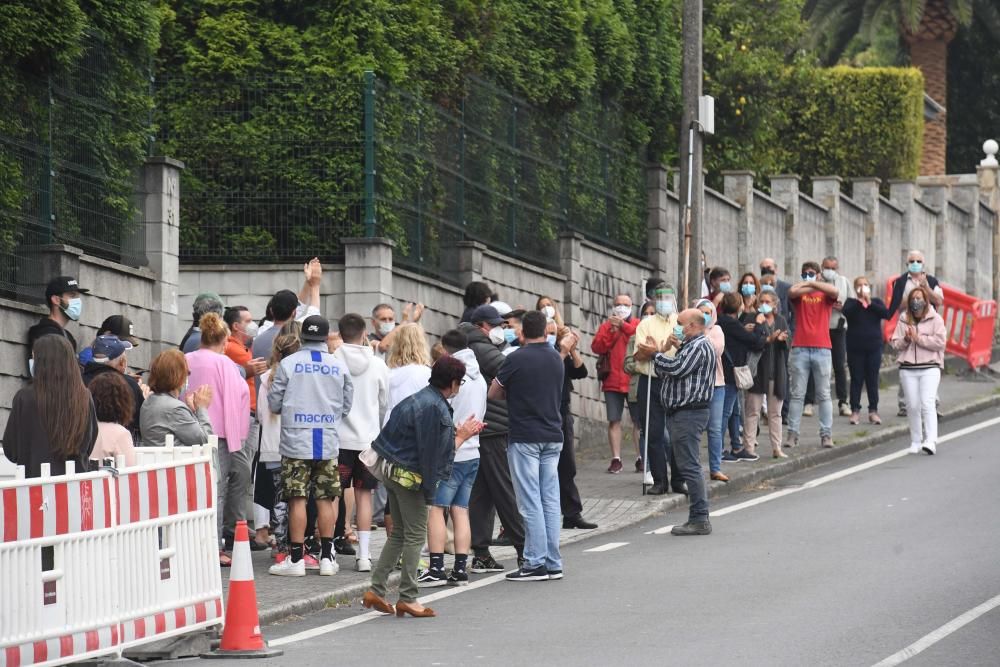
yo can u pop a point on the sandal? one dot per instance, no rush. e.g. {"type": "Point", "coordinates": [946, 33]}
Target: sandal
{"type": "Point", "coordinates": [224, 559]}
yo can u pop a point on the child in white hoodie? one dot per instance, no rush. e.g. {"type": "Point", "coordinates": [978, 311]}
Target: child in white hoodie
{"type": "Point", "coordinates": [453, 493]}
{"type": "Point", "coordinates": [359, 429]}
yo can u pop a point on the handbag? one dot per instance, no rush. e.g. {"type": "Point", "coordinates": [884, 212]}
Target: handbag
{"type": "Point", "coordinates": [603, 367]}
{"type": "Point", "coordinates": [742, 374]}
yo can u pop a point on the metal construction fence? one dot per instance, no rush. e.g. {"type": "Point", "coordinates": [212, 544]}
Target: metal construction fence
{"type": "Point", "coordinates": [66, 176]}
{"type": "Point", "coordinates": [281, 169]}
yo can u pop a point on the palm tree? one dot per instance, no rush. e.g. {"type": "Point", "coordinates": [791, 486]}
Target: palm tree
{"type": "Point", "coordinates": [926, 28]}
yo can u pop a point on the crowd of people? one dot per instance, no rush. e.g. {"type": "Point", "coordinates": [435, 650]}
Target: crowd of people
{"type": "Point", "coordinates": [329, 432]}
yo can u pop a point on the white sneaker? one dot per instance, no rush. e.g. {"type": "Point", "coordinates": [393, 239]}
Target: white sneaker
{"type": "Point", "coordinates": [648, 479]}
{"type": "Point", "coordinates": [328, 567]}
{"type": "Point", "coordinates": [363, 564]}
{"type": "Point", "coordinates": [930, 447]}
{"type": "Point", "coordinates": [287, 568]}
{"type": "Point", "coordinates": [914, 448]}
{"type": "Point", "coordinates": [807, 410]}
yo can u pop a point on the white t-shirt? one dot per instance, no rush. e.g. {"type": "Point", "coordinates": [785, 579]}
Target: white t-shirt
{"type": "Point", "coordinates": [270, 423]}
{"type": "Point", "coordinates": [404, 382]}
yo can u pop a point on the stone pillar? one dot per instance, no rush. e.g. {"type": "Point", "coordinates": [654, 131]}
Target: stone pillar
{"type": "Point", "coordinates": [367, 273]}
{"type": "Point", "coordinates": [470, 261]}
{"type": "Point", "coordinates": [903, 194]}
{"type": "Point", "coordinates": [45, 262]}
{"type": "Point", "coordinates": [937, 196]}
{"type": "Point", "coordinates": [967, 196]}
{"type": "Point", "coordinates": [988, 176]}
{"type": "Point", "coordinates": [570, 252]}
{"type": "Point", "coordinates": [826, 191]}
{"type": "Point", "coordinates": [785, 191]}
{"type": "Point", "coordinates": [161, 208]}
{"type": "Point", "coordinates": [865, 191]}
{"type": "Point", "coordinates": [738, 186]}
{"type": "Point", "coordinates": [661, 242]}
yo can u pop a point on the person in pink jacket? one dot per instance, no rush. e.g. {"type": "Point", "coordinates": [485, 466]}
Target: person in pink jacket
{"type": "Point", "coordinates": [229, 414]}
{"type": "Point", "coordinates": [919, 341]}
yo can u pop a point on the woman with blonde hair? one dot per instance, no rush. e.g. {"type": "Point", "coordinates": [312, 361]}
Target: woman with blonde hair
{"type": "Point", "coordinates": [409, 364]}
{"type": "Point", "coordinates": [919, 341]}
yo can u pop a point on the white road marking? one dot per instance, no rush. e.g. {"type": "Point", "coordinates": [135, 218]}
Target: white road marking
{"type": "Point", "coordinates": [606, 547]}
{"type": "Point", "coordinates": [832, 477]}
{"type": "Point", "coordinates": [363, 618]}
{"type": "Point", "coordinates": [934, 637]}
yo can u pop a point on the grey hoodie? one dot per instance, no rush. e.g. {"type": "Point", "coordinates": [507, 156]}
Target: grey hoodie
{"type": "Point", "coordinates": [313, 392]}
{"type": "Point", "coordinates": [370, 377]}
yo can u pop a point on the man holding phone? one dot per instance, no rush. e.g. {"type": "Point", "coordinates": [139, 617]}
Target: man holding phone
{"type": "Point", "coordinates": [610, 342]}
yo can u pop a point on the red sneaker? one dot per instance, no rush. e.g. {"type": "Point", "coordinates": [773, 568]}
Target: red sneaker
{"type": "Point", "coordinates": [615, 467]}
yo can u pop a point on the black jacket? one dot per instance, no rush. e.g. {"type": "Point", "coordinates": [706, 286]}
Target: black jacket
{"type": "Point", "coordinates": [900, 285]}
{"type": "Point", "coordinates": [864, 325]}
{"type": "Point", "coordinates": [490, 359]}
{"type": "Point", "coordinates": [739, 342]}
{"type": "Point", "coordinates": [93, 369]}
{"type": "Point", "coordinates": [26, 442]}
{"type": "Point", "coordinates": [571, 373]}
{"type": "Point", "coordinates": [45, 327]}
{"type": "Point", "coordinates": [773, 362]}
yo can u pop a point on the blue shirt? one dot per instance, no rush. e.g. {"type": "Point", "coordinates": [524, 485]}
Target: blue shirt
{"type": "Point", "coordinates": [533, 380]}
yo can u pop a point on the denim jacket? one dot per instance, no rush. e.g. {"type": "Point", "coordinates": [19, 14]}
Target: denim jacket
{"type": "Point", "coordinates": [420, 436]}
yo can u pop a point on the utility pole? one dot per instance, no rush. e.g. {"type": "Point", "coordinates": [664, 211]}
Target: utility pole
{"type": "Point", "coordinates": [692, 173]}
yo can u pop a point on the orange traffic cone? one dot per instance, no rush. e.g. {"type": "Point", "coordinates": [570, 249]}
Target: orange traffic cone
{"type": "Point", "coordinates": [241, 637]}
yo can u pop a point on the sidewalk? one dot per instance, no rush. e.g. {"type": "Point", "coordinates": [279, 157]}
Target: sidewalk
{"type": "Point", "coordinates": [615, 501]}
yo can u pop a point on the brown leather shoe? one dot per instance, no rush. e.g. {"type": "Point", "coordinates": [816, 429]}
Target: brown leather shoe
{"type": "Point", "coordinates": [403, 608]}
{"type": "Point", "coordinates": [719, 476]}
{"type": "Point", "coordinates": [378, 602]}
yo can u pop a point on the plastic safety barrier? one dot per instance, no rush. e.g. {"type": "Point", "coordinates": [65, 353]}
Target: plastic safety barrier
{"type": "Point", "coordinates": [93, 564]}
{"type": "Point", "coordinates": [969, 323]}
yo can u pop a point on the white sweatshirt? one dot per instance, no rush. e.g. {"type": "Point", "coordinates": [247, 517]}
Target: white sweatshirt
{"type": "Point", "coordinates": [470, 401]}
{"type": "Point", "coordinates": [370, 376]}
{"type": "Point", "coordinates": [404, 382]}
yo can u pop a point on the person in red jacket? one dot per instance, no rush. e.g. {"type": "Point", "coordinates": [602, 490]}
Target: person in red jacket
{"type": "Point", "coordinates": [611, 339]}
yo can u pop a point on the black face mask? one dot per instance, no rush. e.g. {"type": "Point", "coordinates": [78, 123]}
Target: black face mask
{"type": "Point", "coordinates": [767, 271]}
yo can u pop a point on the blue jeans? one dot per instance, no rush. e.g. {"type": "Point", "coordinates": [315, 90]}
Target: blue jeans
{"type": "Point", "coordinates": [534, 467]}
{"type": "Point", "coordinates": [715, 410]}
{"type": "Point", "coordinates": [818, 363]}
{"type": "Point", "coordinates": [455, 491]}
{"type": "Point", "coordinates": [686, 427]}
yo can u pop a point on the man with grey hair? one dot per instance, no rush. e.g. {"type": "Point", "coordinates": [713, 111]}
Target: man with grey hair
{"type": "Point", "coordinates": [204, 303]}
{"type": "Point", "coordinates": [915, 276]}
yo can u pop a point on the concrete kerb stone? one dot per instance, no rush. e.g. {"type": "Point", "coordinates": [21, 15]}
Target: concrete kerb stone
{"type": "Point", "coordinates": [660, 506]}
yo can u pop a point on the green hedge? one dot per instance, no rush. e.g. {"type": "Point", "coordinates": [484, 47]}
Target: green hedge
{"type": "Point", "coordinates": [854, 122]}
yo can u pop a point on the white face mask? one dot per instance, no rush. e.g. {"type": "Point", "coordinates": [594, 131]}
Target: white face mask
{"type": "Point", "coordinates": [865, 289]}
{"type": "Point", "coordinates": [549, 312]}
{"type": "Point", "coordinates": [497, 336]}
{"type": "Point", "coordinates": [251, 329]}
{"type": "Point", "coordinates": [31, 367]}
{"type": "Point", "coordinates": [829, 274]}
{"type": "Point", "coordinates": [622, 311]}
{"type": "Point", "coordinates": [385, 328]}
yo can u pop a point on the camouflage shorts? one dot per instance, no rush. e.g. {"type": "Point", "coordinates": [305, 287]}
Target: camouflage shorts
{"type": "Point", "coordinates": [297, 475]}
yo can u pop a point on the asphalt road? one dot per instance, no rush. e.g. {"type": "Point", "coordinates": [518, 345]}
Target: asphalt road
{"type": "Point", "coordinates": [849, 571]}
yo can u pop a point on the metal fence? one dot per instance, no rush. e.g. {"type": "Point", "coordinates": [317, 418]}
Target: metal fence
{"type": "Point", "coordinates": [61, 179]}
{"type": "Point", "coordinates": [280, 170]}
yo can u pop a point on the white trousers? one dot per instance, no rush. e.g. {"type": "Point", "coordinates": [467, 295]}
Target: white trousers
{"type": "Point", "coordinates": [920, 388]}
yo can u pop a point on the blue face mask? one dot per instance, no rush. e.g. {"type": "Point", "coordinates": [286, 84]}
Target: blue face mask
{"type": "Point", "coordinates": [708, 319]}
{"type": "Point", "coordinates": [749, 289]}
{"type": "Point", "coordinates": [678, 332]}
{"type": "Point", "coordinates": [916, 267]}
{"type": "Point", "coordinates": [766, 308]}
{"type": "Point", "coordinates": [551, 340]}
{"type": "Point", "coordinates": [726, 287]}
{"type": "Point", "coordinates": [766, 288]}
{"type": "Point", "coordinates": [665, 308]}
{"type": "Point", "coordinates": [510, 336]}
{"type": "Point", "coordinates": [74, 309]}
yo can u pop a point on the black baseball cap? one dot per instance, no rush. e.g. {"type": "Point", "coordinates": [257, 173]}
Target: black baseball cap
{"type": "Point", "coordinates": [315, 328]}
{"type": "Point", "coordinates": [486, 313]}
{"type": "Point", "coordinates": [120, 326]}
{"type": "Point", "coordinates": [62, 284]}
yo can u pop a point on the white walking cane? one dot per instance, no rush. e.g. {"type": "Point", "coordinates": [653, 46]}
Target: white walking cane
{"type": "Point", "coordinates": [645, 444]}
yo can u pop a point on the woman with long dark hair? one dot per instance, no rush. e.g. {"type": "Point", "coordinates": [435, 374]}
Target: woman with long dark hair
{"type": "Point", "coordinates": [52, 420]}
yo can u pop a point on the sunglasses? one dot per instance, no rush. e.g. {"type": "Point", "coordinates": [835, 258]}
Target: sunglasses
{"type": "Point", "coordinates": [809, 274]}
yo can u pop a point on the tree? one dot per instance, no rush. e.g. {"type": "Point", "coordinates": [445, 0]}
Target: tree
{"type": "Point", "coordinates": [926, 27]}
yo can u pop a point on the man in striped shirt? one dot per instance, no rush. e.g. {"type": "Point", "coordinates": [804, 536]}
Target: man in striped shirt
{"type": "Point", "coordinates": [688, 384]}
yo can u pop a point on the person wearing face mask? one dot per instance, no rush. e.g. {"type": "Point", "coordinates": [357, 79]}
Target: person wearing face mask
{"type": "Point", "coordinates": [741, 340]}
{"type": "Point", "coordinates": [750, 290]}
{"type": "Point", "coordinates": [108, 355]}
{"type": "Point", "coordinates": [865, 316]}
{"type": "Point", "coordinates": [548, 308]}
{"type": "Point", "coordinates": [512, 329]}
{"type": "Point", "coordinates": [838, 334]}
{"type": "Point", "coordinates": [720, 283]}
{"type": "Point", "coordinates": [771, 377]}
{"type": "Point", "coordinates": [635, 410]}
{"type": "Point", "coordinates": [164, 413]}
{"type": "Point", "coordinates": [717, 404]}
{"type": "Point", "coordinates": [63, 295]}
{"type": "Point", "coordinates": [651, 337]}
{"type": "Point", "coordinates": [610, 342]}
{"type": "Point", "coordinates": [919, 341]}
{"type": "Point", "coordinates": [915, 276]}
{"type": "Point", "coordinates": [383, 323]}
{"type": "Point", "coordinates": [493, 487]}
{"type": "Point", "coordinates": [812, 301]}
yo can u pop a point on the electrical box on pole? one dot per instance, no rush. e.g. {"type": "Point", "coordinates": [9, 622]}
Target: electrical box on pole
{"type": "Point", "coordinates": [706, 114]}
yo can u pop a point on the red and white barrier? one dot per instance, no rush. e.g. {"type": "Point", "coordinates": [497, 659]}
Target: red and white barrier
{"type": "Point", "coordinates": [93, 564]}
